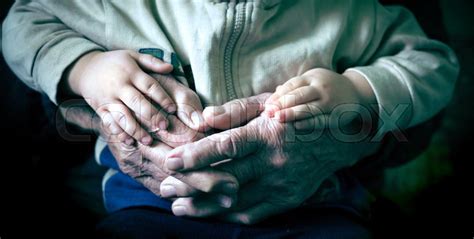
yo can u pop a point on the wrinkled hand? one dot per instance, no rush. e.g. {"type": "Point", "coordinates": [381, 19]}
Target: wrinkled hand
{"type": "Point", "coordinates": [276, 166]}
{"type": "Point", "coordinates": [146, 163]}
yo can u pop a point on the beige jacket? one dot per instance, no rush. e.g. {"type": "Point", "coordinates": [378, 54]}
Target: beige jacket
{"type": "Point", "coordinates": [240, 48]}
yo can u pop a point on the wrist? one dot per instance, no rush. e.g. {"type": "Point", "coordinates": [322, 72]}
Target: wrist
{"type": "Point", "coordinates": [362, 87]}
{"type": "Point", "coordinates": [70, 84]}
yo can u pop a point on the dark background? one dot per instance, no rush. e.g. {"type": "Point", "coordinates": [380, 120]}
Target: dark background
{"type": "Point", "coordinates": [430, 196]}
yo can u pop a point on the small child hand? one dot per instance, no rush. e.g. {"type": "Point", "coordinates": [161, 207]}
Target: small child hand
{"type": "Point", "coordinates": [115, 86]}
{"type": "Point", "coordinates": [310, 98]}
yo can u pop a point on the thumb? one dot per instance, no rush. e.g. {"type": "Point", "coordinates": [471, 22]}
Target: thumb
{"type": "Point", "coordinates": [235, 113]}
{"type": "Point", "coordinates": [231, 144]}
{"type": "Point", "coordinates": [150, 63]}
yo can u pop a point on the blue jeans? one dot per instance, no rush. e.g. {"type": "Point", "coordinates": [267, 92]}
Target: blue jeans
{"type": "Point", "coordinates": [300, 223]}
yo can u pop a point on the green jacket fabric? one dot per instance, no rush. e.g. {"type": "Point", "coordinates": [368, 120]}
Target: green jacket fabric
{"type": "Point", "coordinates": [241, 48]}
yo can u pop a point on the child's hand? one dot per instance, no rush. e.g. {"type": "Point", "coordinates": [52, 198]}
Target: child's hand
{"type": "Point", "coordinates": [310, 98]}
{"type": "Point", "coordinates": [115, 86]}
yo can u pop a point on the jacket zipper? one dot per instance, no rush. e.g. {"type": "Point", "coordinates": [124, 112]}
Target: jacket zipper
{"type": "Point", "coordinates": [237, 29]}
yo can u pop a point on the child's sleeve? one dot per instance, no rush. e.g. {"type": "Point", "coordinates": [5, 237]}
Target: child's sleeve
{"type": "Point", "coordinates": [39, 47]}
{"type": "Point", "coordinates": [405, 68]}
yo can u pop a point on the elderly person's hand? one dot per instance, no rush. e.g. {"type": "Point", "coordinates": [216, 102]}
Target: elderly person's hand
{"type": "Point", "coordinates": [144, 163]}
{"type": "Point", "coordinates": [277, 167]}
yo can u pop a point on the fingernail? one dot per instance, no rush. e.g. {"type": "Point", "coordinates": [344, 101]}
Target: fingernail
{"type": "Point", "coordinates": [217, 110]}
{"type": "Point", "coordinates": [179, 210]}
{"type": "Point", "coordinates": [230, 188]}
{"type": "Point", "coordinates": [163, 125]}
{"type": "Point", "coordinates": [146, 140]}
{"type": "Point", "coordinates": [225, 201]}
{"type": "Point", "coordinates": [171, 109]}
{"type": "Point", "coordinates": [168, 191]}
{"type": "Point", "coordinates": [174, 164]}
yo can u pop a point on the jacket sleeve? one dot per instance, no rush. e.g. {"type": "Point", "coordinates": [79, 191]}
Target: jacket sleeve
{"type": "Point", "coordinates": [406, 69]}
{"type": "Point", "coordinates": [38, 46]}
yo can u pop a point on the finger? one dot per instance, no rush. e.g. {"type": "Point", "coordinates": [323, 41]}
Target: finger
{"type": "Point", "coordinates": [172, 187]}
{"type": "Point", "coordinates": [110, 130]}
{"type": "Point", "coordinates": [254, 214]}
{"type": "Point", "coordinates": [229, 144]}
{"type": "Point", "coordinates": [109, 123]}
{"type": "Point", "coordinates": [203, 206]}
{"type": "Point", "coordinates": [209, 180]}
{"type": "Point", "coordinates": [244, 170]}
{"type": "Point", "coordinates": [127, 122]}
{"type": "Point", "coordinates": [151, 63]}
{"type": "Point", "coordinates": [177, 133]}
{"type": "Point", "coordinates": [299, 112]}
{"type": "Point", "coordinates": [152, 89]}
{"type": "Point", "coordinates": [144, 109]}
{"type": "Point", "coordinates": [189, 106]}
{"type": "Point", "coordinates": [149, 165]}
{"type": "Point", "coordinates": [156, 154]}
{"type": "Point", "coordinates": [251, 194]}
{"type": "Point", "coordinates": [292, 84]}
{"type": "Point", "coordinates": [302, 95]}
{"type": "Point", "coordinates": [125, 139]}
{"type": "Point", "coordinates": [235, 113]}
{"type": "Point", "coordinates": [151, 183]}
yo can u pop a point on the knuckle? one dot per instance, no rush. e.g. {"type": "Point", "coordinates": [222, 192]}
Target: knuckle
{"type": "Point", "coordinates": [208, 184]}
{"type": "Point", "coordinates": [188, 97]}
{"type": "Point", "coordinates": [300, 94]}
{"type": "Point", "coordinates": [228, 144]}
{"type": "Point", "coordinates": [135, 99]}
{"type": "Point", "coordinates": [122, 137]}
{"type": "Point", "coordinates": [165, 100]}
{"type": "Point", "coordinates": [145, 58]}
{"type": "Point", "coordinates": [186, 190]}
{"type": "Point", "coordinates": [278, 162]}
{"type": "Point", "coordinates": [143, 165]}
{"type": "Point", "coordinates": [179, 176]}
{"type": "Point", "coordinates": [129, 169]}
{"type": "Point", "coordinates": [151, 184]}
{"type": "Point", "coordinates": [240, 104]}
{"type": "Point", "coordinates": [151, 88]}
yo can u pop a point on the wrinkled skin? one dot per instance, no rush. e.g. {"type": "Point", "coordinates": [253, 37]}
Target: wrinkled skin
{"type": "Point", "coordinates": [277, 167]}
{"type": "Point", "coordinates": [145, 163]}
{"type": "Point", "coordinates": [273, 169]}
